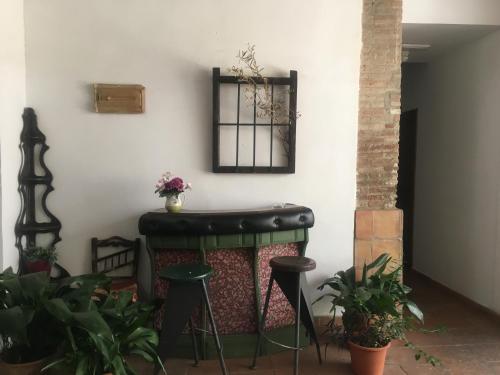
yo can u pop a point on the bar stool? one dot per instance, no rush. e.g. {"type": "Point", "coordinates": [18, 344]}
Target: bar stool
{"type": "Point", "coordinates": [188, 286]}
{"type": "Point", "coordinates": [289, 273]}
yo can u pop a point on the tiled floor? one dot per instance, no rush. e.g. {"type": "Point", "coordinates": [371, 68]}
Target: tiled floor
{"type": "Point", "coordinates": [471, 345]}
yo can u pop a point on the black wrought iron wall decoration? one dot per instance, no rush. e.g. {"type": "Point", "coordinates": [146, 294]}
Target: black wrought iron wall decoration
{"type": "Point", "coordinates": [247, 138]}
{"type": "Point", "coordinates": [32, 174]}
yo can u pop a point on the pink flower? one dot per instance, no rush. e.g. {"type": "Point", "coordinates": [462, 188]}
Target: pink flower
{"type": "Point", "coordinates": [168, 186]}
{"type": "Point", "coordinates": [175, 183]}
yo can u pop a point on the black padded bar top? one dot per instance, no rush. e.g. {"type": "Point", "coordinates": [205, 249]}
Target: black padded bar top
{"type": "Point", "coordinates": [264, 220]}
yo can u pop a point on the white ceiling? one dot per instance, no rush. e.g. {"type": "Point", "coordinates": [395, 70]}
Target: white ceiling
{"type": "Point", "coordinates": [441, 38]}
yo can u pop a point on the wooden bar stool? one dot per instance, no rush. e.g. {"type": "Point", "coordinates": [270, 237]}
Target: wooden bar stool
{"type": "Point", "coordinates": [187, 289]}
{"type": "Point", "coordinates": [289, 273]}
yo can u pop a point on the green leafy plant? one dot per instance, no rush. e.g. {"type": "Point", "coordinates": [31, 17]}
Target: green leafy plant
{"type": "Point", "coordinates": [91, 332]}
{"type": "Point", "coordinates": [376, 309]}
{"type": "Point", "coordinates": [33, 254]}
{"type": "Point", "coordinates": [28, 330]}
{"type": "Point", "coordinates": [100, 334]}
{"type": "Point", "coordinates": [25, 324]}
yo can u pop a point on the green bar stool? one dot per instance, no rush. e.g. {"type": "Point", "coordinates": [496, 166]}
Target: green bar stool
{"type": "Point", "coordinates": [187, 289]}
{"type": "Point", "coordinates": [289, 273]}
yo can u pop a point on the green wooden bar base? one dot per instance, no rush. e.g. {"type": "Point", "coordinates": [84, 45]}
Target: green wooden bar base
{"type": "Point", "coordinates": [206, 232]}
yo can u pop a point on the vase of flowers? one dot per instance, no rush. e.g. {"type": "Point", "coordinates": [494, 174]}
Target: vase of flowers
{"type": "Point", "coordinates": [172, 188]}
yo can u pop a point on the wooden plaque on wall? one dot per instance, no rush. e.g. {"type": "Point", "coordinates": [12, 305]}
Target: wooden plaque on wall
{"type": "Point", "coordinates": [119, 98]}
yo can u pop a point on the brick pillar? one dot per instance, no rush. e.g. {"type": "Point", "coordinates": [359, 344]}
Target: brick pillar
{"type": "Point", "coordinates": [378, 132]}
{"type": "Point", "coordinates": [377, 232]}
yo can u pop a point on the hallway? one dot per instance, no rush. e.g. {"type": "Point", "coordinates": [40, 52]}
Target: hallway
{"type": "Point", "coordinates": [469, 345]}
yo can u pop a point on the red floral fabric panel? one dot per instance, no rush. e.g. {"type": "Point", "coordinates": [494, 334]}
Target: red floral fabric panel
{"type": "Point", "coordinates": [232, 290]}
{"type": "Point", "coordinates": [231, 287]}
{"type": "Point", "coordinates": [280, 313]}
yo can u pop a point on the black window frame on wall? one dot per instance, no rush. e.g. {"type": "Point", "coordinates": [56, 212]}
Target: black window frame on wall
{"type": "Point", "coordinates": [291, 82]}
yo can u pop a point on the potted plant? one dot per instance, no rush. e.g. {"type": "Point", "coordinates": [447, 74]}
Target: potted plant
{"type": "Point", "coordinates": [172, 188]}
{"type": "Point", "coordinates": [376, 311]}
{"type": "Point", "coordinates": [101, 333]}
{"type": "Point", "coordinates": [29, 333]}
{"type": "Point", "coordinates": [24, 322]}
{"type": "Point", "coordinates": [39, 259]}
{"type": "Point", "coordinates": [67, 323]}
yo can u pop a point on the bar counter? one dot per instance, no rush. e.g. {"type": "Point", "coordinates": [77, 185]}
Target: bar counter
{"type": "Point", "coordinates": [238, 245]}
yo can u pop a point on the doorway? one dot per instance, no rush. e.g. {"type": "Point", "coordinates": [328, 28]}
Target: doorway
{"type": "Point", "coordinates": [406, 180]}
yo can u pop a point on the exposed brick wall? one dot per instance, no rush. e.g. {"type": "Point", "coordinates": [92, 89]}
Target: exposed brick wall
{"type": "Point", "coordinates": [378, 226]}
{"type": "Point", "coordinates": [379, 104]}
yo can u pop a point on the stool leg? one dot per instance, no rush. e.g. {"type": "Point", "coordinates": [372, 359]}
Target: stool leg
{"type": "Point", "coordinates": [182, 298]}
{"type": "Point", "coordinates": [214, 328]}
{"type": "Point", "coordinates": [307, 315]}
{"type": "Point", "coordinates": [297, 328]}
{"type": "Point", "coordinates": [318, 350]}
{"type": "Point", "coordinates": [195, 344]}
{"type": "Point", "coordinates": [262, 322]}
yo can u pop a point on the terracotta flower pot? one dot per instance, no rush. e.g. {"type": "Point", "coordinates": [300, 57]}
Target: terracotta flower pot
{"type": "Point", "coordinates": [37, 266]}
{"type": "Point", "coordinates": [368, 361]}
{"type": "Point", "coordinates": [30, 368]}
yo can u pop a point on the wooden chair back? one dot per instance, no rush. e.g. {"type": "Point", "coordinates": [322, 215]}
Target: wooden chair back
{"type": "Point", "coordinates": [126, 255]}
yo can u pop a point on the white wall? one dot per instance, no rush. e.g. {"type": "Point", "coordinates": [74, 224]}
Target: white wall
{"type": "Point", "coordinates": [457, 207]}
{"type": "Point", "coordinates": [12, 101]}
{"type": "Point", "coordinates": [105, 165]}
{"type": "Point", "coordinates": [466, 12]}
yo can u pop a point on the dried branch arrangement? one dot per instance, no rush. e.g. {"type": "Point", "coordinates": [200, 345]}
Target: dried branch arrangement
{"type": "Point", "coordinates": [267, 104]}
